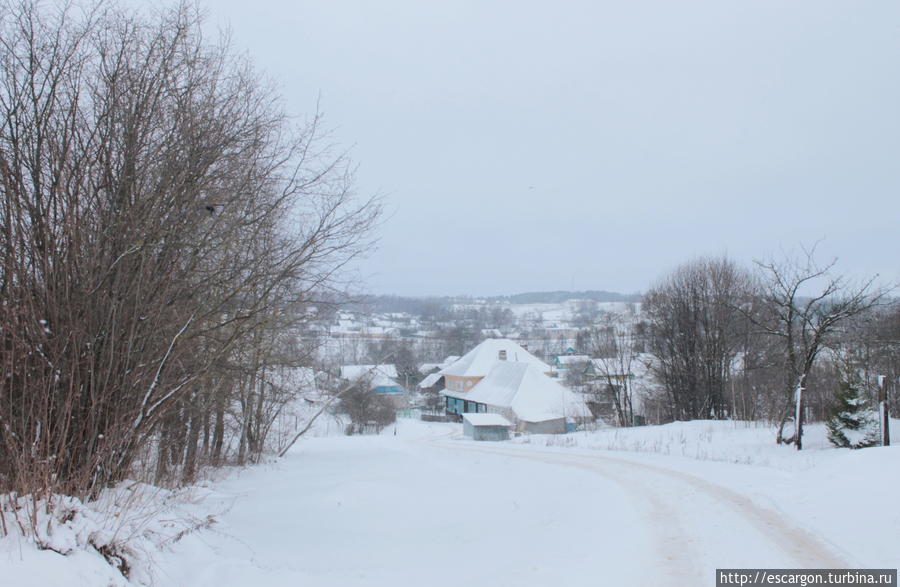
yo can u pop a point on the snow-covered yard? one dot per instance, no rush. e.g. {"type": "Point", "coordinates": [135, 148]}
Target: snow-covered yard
{"type": "Point", "coordinates": [425, 506]}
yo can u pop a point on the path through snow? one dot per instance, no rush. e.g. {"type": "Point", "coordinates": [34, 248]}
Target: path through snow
{"type": "Point", "coordinates": [424, 509]}
{"type": "Point", "coordinates": [698, 525]}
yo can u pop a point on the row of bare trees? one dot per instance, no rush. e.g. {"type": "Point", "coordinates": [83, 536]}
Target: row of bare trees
{"type": "Point", "coordinates": [166, 232]}
{"type": "Point", "coordinates": [730, 342]}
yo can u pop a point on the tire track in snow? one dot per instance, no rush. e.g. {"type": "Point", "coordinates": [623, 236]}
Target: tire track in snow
{"type": "Point", "coordinates": [676, 557]}
{"type": "Point", "coordinates": [799, 544]}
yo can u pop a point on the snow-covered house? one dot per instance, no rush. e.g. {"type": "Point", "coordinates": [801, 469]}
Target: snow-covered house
{"type": "Point", "coordinates": [382, 379]}
{"type": "Point", "coordinates": [354, 372]}
{"type": "Point", "coordinates": [431, 381]}
{"type": "Point", "coordinates": [427, 368]}
{"type": "Point", "coordinates": [434, 380]}
{"type": "Point", "coordinates": [500, 377]}
{"type": "Point", "coordinates": [606, 370]}
{"type": "Point", "coordinates": [608, 377]}
{"type": "Point", "coordinates": [567, 361]}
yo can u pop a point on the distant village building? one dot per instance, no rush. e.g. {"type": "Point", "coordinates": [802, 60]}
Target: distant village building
{"type": "Point", "coordinates": [567, 361]}
{"type": "Point", "coordinates": [604, 378]}
{"type": "Point", "coordinates": [381, 379]}
{"type": "Point", "coordinates": [500, 377]}
{"type": "Point", "coordinates": [427, 368]}
{"type": "Point", "coordinates": [432, 382]}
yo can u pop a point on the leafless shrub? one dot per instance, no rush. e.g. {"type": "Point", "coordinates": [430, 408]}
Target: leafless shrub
{"type": "Point", "coordinates": [164, 223]}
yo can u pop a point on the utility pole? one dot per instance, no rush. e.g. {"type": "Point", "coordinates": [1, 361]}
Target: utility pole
{"type": "Point", "coordinates": [884, 411]}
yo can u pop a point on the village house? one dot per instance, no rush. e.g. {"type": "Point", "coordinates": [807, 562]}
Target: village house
{"type": "Point", "coordinates": [381, 379]}
{"type": "Point", "coordinates": [500, 377]}
{"type": "Point", "coordinates": [571, 361]}
{"type": "Point", "coordinates": [605, 378]}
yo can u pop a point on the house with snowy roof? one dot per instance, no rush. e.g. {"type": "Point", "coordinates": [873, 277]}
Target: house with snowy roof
{"type": "Point", "coordinates": [427, 368]}
{"type": "Point", "coordinates": [434, 377]}
{"type": "Point", "coordinates": [605, 377]}
{"type": "Point", "coordinates": [381, 379]}
{"type": "Point", "coordinates": [564, 362]}
{"type": "Point", "coordinates": [431, 381]}
{"type": "Point", "coordinates": [500, 377]}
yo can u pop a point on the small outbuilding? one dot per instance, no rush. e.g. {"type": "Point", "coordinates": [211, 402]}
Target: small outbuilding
{"type": "Point", "coordinates": [486, 426]}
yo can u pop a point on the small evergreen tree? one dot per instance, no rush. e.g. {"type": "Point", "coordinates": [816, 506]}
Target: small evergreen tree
{"type": "Point", "coordinates": [852, 423]}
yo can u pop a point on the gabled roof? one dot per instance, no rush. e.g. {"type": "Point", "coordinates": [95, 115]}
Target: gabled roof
{"type": "Point", "coordinates": [428, 367]}
{"type": "Point", "coordinates": [430, 380]}
{"type": "Point", "coordinates": [376, 375]}
{"type": "Point", "coordinates": [608, 367]}
{"type": "Point", "coordinates": [354, 372]}
{"type": "Point", "coordinates": [523, 387]}
{"type": "Point", "coordinates": [572, 359]}
{"type": "Point", "coordinates": [479, 361]}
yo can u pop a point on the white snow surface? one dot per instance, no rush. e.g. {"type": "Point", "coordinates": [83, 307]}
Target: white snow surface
{"type": "Point", "coordinates": [479, 361]}
{"type": "Point", "coordinates": [486, 419]}
{"type": "Point", "coordinates": [573, 359]}
{"type": "Point", "coordinates": [354, 372]}
{"type": "Point", "coordinates": [133, 521]}
{"type": "Point", "coordinates": [420, 505]}
{"type": "Point", "coordinates": [430, 380]}
{"type": "Point", "coordinates": [425, 368]}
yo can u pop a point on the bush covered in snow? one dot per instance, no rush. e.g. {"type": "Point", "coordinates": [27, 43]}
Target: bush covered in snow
{"type": "Point", "coordinates": [125, 526]}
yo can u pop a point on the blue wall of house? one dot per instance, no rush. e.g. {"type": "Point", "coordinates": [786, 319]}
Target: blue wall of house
{"type": "Point", "coordinates": [388, 389]}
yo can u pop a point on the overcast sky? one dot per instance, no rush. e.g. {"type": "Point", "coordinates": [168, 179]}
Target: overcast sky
{"type": "Point", "coordinates": [529, 146]}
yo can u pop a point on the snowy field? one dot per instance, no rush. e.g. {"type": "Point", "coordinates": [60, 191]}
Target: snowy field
{"type": "Point", "coordinates": [561, 313]}
{"type": "Point", "coordinates": [426, 507]}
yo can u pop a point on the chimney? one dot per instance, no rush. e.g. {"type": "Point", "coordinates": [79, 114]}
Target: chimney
{"type": "Point", "coordinates": [502, 355]}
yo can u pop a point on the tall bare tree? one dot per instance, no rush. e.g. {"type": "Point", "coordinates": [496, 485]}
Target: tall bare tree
{"type": "Point", "coordinates": [614, 355]}
{"type": "Point", "coordinates": [695, 334]}
{"type": "Point", "coordinates": [159, 211]}
{"type": "Point", "coordinates": [804, 305]}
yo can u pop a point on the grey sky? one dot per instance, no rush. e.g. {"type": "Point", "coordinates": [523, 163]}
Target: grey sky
{"type": "Point", "coordinates": [595, 145]}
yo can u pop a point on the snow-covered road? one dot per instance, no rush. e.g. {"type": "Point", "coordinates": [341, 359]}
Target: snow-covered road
{"type": "Point", "coordinates": [424, 509]}
{"type": "Point", "coordinates": [696, 525]}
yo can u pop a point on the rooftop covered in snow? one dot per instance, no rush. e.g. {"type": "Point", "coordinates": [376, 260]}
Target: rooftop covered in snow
{"type": "Point", "coordinates": [479, 361]}
{"type": "Point", "coordinates": [354, 372]}
{"type": "Point", "coordinates": [526, 390]}
{"type": "Point", "coordinates": [486, 420]}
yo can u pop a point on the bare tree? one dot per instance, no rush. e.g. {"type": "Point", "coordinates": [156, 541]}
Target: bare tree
{"type": "Point", "coordinates": [368, 411]}
{"type": "Point", "coordinates": [695, 333]}
{"type": "Point", "coordinates": [804, 304]}
{"type": "Point", "coordinates": [159, 213]}
{"type": "Point", "coordinates": [615, 355]}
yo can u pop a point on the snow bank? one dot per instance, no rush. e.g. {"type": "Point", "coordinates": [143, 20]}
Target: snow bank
{"type": "Point", "coordinates": [749, 443]}
{"type": "Point", "coordinates": [111, 541]}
